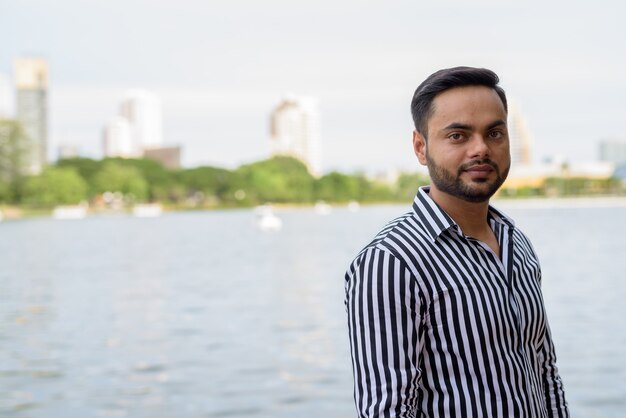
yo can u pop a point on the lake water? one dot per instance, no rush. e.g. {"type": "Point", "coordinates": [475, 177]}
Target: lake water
{"type": "Point", "coordinates": [203, 315]}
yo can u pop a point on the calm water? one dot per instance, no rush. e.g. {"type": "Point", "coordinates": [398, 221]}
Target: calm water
{"type": "Point", "coordinates": [203, 315]}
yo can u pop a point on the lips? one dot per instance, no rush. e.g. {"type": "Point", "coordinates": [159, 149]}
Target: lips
{"type": "Point", "coordinates": [480, 168]}
{"type": "Point", "coordinates": [480, 172]}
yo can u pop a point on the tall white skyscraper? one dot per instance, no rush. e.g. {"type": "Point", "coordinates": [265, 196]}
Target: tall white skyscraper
{"type": "Point", "coordinates": [294, 131]}
{"type": "Point", "coordinates": [31, 96]}
{"type": "Point", "coordinates": [143, 111]}
{"type": "Point", "coordinates": [5, 97]}
{"type": "Point", "coordinates": [519, 137]}
{"type": "Point", "coordinates": [118, 140]}
{"type": "Point", "coordinates": [138, 131]}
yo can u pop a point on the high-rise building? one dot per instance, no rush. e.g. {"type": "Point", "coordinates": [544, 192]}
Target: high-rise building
{"type": "Point", "coordinates": [67, 150]}
{"type": "Point", "coordinates": [613, 151]}
{"type": "Point", "coordinates": [137, 131]}
{"type": "Point", "coordinates": [31, 81]}
{"type": "Point", "coordinates": [142, 109]}
{"type": "Point", "coordinates": [294, 131]}
{"type": "Point", "coordinates": [118, 140]}
{"type": "Point", "coordinates": [519, 137]}
{"type": "Point", "coordinates": [5, 98]}
{"type": "Point", "coordinates": [168, 156]}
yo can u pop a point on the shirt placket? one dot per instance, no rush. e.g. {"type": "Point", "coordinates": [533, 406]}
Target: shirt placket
{"type": "Point", "coordinates": [505, 266]}
{"type": "Point", "coordinates": [507, 248]}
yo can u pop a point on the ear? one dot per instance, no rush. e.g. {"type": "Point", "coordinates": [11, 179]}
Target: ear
{"type": "Point", "coordinates": [419, 146]}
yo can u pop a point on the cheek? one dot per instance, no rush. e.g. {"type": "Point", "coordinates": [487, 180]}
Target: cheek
{"type": "Point", "coordinates": [507, 155]}
{"type": "Point", "coordinates": [503, 153]}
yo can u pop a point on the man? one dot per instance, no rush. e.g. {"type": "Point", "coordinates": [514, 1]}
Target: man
{"type": "Point", "coordinates": [445, 311]}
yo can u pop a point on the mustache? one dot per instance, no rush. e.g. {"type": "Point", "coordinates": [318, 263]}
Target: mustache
{"type": "Point", "coordinates": [485, 161]}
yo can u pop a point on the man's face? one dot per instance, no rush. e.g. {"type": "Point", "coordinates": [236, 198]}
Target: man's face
{"type": "Point", "coordinates": [467, 151]}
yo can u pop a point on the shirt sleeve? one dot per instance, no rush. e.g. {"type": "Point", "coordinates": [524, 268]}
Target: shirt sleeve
{"type": "Point", "coordinates": [556, 405]}
{"type": "Point", "coordinates": [554, 395]}
{"type": "Point", "coordinates": [385, 330]}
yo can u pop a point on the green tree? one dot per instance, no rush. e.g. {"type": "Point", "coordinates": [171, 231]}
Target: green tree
{"type": "Point", "coordinates": [13, 153]}
{"type": "Point", "coordinates": [54, 186]}
{"type": "Point", "coordinates": [161, 182]}
{"type": "Point", "coordinates": [373, 190]}
{"type": "Point", "coordinates": [5, 191]}
{"type": "Point", "coordinates": [578, 186]}
{"type": "Point", "coordinates": [214, 184]}
{"type": "Point", "coordinates": [408, 183]}
{"type": "Point", "coordinates": [337, 187]}
{"type": "Point", "coordinates": [115, 177]}
{"type": "Point", "coordinates": [86, 167]}
{"type": "Point", "coordinates": [278, 179]}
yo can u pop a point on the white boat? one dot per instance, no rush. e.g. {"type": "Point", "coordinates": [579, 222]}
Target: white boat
{"type": "Point", "coordinates": [266, 220]}
{"type": "Point", "coordinates": [322, 208]}
{"type": "Point", "coordinates": [70, 212]}
{"type": "Point", "coordinates": [147, 210]}
{"type": "Point", "coordinates": [353, 206]}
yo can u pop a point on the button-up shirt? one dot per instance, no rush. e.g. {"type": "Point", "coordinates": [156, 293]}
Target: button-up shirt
{"type": "Point", "coordinates": [440, 326]}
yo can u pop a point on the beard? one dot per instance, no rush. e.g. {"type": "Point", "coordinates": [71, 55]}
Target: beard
{"type": "Point", "coordinates": [452, 184]}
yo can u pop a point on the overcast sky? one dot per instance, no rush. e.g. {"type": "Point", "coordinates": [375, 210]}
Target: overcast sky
{"type": "Point", "coordinates": [220, 67]}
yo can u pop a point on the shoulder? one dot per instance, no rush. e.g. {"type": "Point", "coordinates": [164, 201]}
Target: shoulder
{"type": "Point", "coordinates": [523, 243]}
{"type": "Point", "coordinates": [400, 240]}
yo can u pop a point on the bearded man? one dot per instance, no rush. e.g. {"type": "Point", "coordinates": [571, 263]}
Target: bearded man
{"type": "Point", "coordinates": [445, 311]}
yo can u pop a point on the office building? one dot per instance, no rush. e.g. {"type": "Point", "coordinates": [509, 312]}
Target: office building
{"type": "Point", "coordinates": [519, 137]}
{"type": "Point", "coordinates": [612, 151]}
{"type": "Point", "coordinates": [5, 98]}
{"type": "Point", "coordinates": [535, 175]}
{"type": "Point", "coordinates": [118, 140]}
{"type": "Point", "coordinates": [67, 150]}
{"type": "Point", "coordinates": [168, 156]}
{"type": "Point", "coordinates": [143, 111]}
{"type": "Point", "coordinates": [294, 131]}
{"type": "Point", "coordinates": [31, 81]}
{"type": "Point", "coordinates": [137, 131]}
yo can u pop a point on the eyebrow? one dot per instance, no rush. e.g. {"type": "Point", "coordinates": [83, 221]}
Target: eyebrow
{"type": "Point", "coordinates": [496, 123]}
{"type": "Point", "coordinates": [458, 125]}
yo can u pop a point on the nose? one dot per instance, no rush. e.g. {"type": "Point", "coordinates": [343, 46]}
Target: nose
{"type": "Point", "coordinates": [479, 147]}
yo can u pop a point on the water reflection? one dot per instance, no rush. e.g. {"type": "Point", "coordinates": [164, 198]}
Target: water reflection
{"type": "Point", "coordinates": [203, 314]}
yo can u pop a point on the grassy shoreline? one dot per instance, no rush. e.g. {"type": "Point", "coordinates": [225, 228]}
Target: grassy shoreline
{"type": "Point", "coordinates": [11, 212]}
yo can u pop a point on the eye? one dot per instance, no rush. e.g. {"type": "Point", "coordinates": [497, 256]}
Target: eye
{"type": "Point", "coordinates": [456, 136]}
{"type": "Point", "coordinates": [495, 134]}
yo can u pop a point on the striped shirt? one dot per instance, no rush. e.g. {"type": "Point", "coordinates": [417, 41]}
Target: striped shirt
{"type": "Point", "coordinates": [440, 326]}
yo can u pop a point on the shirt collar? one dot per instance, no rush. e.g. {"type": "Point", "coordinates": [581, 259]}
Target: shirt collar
{"type": "Point", "coordinates": [436, 220]}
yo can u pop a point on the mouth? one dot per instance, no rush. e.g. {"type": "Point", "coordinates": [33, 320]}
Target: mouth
{"type": "Point", "coordinates": [480, 173]}
{"type": "Point", "coordinates": [480, 168]}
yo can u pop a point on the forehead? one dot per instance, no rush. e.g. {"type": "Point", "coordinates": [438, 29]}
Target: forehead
{"type": "Point", "coordinates": [467, 104]}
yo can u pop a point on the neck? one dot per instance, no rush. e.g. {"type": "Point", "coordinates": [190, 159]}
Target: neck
{"type": "Point", "coordinates": [470, 216]}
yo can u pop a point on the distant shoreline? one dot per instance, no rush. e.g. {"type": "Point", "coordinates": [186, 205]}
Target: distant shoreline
{"type": "Point", "coordinates": [561, 202]}
{"type": "Point", "coordinates": [16, 212]}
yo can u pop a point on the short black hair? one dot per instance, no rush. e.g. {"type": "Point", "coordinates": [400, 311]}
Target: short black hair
{"type": "Point", "coordinates": [448, 78]}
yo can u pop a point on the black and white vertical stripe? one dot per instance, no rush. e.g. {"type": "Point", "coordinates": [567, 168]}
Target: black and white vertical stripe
{"type": "Point", "coordinates": [442, 327]}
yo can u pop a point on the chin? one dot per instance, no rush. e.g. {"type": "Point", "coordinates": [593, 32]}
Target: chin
{"type": "Point", "coordinates": [478, 191]}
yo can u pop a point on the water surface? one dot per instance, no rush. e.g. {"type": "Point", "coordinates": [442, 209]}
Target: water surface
{"type": "Point", "coordinates": [203, 315]}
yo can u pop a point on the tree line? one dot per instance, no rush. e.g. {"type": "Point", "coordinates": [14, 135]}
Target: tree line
{"type": "Point", "coordinates": [279, 179]}
{"type": "Point", "coordinates": [276, 180]}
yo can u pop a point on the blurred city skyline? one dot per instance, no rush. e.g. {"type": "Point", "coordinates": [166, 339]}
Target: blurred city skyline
{"type": "Point", "coordinates": [220, 69]}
